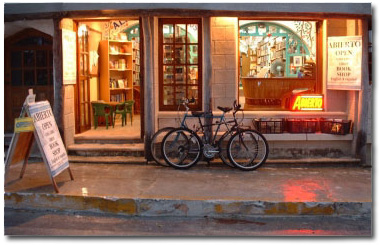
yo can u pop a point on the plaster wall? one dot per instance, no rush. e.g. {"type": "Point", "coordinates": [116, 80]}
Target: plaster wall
{"type": "Point", "coordinates": [45, 26]}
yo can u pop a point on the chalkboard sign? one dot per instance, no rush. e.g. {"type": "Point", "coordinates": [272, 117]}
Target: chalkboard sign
{"type": "Point", "coordinates": [46, 134]}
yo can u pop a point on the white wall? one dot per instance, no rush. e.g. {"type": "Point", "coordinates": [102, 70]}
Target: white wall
{"type": "Point", "coordinates": [45, 26]}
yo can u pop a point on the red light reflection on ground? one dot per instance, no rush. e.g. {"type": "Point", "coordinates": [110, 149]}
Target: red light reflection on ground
{"type": "Point", "coordinates": [301, 190]}
{"type": "Point", "coordinates": [305, 232]}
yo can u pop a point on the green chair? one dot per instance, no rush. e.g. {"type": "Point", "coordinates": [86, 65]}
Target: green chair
{"type": "Point", "coordinates": [101, 110]}
{"type": "Point", "coordinates": [121, 109]}
{"type": "Point", "coordinates": [129, 106]}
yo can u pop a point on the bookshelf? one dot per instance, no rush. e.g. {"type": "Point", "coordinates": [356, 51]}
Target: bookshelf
{"type": "Point", "coordinates": [116, 70]}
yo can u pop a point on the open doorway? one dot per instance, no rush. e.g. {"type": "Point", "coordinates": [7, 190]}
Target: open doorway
{"type": "Point", "coordinates": [108, 93]}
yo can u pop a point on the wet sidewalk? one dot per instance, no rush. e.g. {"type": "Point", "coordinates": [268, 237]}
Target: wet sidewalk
{"type": "Point", "coordinates": [212, 191]}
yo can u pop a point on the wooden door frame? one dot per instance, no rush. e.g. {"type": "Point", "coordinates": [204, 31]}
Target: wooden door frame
{"type": "Point", "coordinates": [142, 81]}
{"type": "Point", "coordinates": [78, 127]}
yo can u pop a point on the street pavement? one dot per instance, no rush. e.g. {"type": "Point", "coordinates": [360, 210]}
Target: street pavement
{"type": "Point", "coordinates": [221, 200]}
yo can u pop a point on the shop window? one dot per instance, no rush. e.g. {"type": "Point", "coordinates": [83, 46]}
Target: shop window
{"type": "Point", "coordinates": [34, 41]}
{"type": "Point", "coordinates": [180, 62]}
{"type": "Point", "coordinates": [277, 59]}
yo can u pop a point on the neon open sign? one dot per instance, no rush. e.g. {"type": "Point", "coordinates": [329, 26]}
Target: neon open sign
{"type": "Point", "coordinates": [308, 103]}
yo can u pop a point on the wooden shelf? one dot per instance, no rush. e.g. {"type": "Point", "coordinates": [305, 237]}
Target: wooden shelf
{"type": "Point", "coordinates": [127, 54]}
{"type": "Point", "coordinates": [121, 69]}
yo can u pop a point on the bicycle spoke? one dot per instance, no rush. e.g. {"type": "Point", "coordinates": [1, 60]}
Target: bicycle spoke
{"type": "Point", "coordinates": [181, 149]}
{"type": "Point", "coordinates": [248, 150]}
{"type": "Point", "coordinates": [223, 148]}
{"type": "Point", "coordinates": [156, 145]}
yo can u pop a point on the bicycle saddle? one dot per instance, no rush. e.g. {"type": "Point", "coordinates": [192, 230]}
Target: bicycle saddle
{"type": "Point", "coordinates": [224, 109]}
{"type": "Point", "coordinates": [200, 114]}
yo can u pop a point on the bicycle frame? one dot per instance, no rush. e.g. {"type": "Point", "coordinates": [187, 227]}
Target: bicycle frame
{"type": "Point", "coordinates": [203, 126]}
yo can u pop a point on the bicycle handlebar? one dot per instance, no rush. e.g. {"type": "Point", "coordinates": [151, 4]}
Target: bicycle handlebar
{"type": "Point", "coordinates": [186, 101]}
{"type": "Point", "coordinates": [236, 106]}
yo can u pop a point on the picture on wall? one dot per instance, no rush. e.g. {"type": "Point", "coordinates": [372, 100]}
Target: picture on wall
{"type": "Point", "coordinates": [297, 60]}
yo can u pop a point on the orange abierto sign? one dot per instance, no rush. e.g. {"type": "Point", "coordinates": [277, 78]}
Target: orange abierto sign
{"type": "Point", "coordinates": [308, 103]}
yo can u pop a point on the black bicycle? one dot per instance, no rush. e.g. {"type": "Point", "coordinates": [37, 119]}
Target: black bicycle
{"type": "Point", "coordinates": [246, 149]}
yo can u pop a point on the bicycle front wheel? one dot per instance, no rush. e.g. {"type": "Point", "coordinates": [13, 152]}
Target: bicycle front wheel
{"type": "Point", "coordinates": [248, 149]}
{"type": "Point", "coordinates": [155, 145]}
{"type": "Point", "coordinates": [181, 148]}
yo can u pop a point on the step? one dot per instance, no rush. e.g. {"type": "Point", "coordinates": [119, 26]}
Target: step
{"type": "Point", "coordinates": [163, 207]}
{"type": "Point", "coordinates": [108, 159]}
{"type": "Point", "coordinates": [107, 139]}
{"type": "Point", "coordinates": [320, 162]}
{"type": "Point", "coordinates": [106, 150]}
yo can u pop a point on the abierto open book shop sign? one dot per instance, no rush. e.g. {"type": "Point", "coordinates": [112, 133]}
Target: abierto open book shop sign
{"type": "Point", "coordinates": [69, 56]}
{"type": "Point", "coordinates": [49, 138]}
{"type": "Point", "coordinates": [345, 62]}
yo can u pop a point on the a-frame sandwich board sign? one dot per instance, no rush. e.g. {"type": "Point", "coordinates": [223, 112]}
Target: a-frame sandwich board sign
{"type": "Point", "coordinates": [22, 139]}
{"type": "Point", "coordinates": [45, 133]}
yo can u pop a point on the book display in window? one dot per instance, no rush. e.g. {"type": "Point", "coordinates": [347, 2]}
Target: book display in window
{"type": "Point", "coordinates": [309, 69]}
{"type": "Point", "coordinates": [179, 62]}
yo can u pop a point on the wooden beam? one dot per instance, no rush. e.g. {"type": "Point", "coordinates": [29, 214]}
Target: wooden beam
{"type": "Point", "coordinates": [364, 98]}
{"type": "Point", "coordinates": [207, 73]}
{"type": "Point", "coordinates": [148, 30]}
{"type": "Point", "coordinates": [58, 77]}
{"type": "Point", "coordinates": [195, 13]}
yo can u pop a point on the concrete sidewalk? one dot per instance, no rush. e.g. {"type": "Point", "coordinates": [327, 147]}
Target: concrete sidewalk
{"type": "Point", "coordinates": [213, 191]}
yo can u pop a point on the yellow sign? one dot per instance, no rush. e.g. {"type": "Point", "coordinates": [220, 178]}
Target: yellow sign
{"type": "Point", "coordinates": [308, 103]}
{"type": "Point", "coordinates": [24, 124]}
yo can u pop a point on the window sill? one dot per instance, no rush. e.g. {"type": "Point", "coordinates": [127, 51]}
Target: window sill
{"type": "Point", "coordinates": [268, 114]}
{"type": "Point", "coordinates": [308, 137]}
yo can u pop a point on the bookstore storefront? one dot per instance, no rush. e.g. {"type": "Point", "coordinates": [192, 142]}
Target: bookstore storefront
{"type": "Point", "coordinates": [303, 79]}
{"type": "Point", "coordinates": [302, 82]}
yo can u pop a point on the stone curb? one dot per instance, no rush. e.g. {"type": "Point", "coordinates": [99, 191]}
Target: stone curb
{"type": "Point", "coordinates": [184, 208]}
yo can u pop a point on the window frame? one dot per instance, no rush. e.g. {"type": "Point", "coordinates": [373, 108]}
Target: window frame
{"type": "Point", "coordinates": [29, 33]}
{"type": "Point", "coordinates": [161, 44]}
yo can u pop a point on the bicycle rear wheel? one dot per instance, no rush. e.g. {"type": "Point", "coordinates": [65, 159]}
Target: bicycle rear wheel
{"type": "Point", "coordinates": [155, 145]}
{"type": "Point", "coordinates": [248, 149]}
{"type": "Point", "coordinates": [181, 148]}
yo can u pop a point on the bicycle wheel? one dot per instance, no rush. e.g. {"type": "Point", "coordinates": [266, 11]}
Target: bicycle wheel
{"type": "Point", "coordinates": [181, 148]}
{"type": "Point", "coordinates": [155, 145]}
{"type": "Point", "coordinates": [223, 146]}
{"type": "Point", "coordinates": [248, 149]}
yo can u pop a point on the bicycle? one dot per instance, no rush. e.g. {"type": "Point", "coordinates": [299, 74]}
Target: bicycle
{"type": "Point", "coordinates": [157, 138]}
{"type": "Point", "coordinates": [247, 149]}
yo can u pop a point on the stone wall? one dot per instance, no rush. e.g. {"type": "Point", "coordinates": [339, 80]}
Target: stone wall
{"type": "Point", "coordinates": [69, 115]}
{"type": "Point", "coordinates": [224, 61]}
{"type": "Point", "coordinates": [68, 103]}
